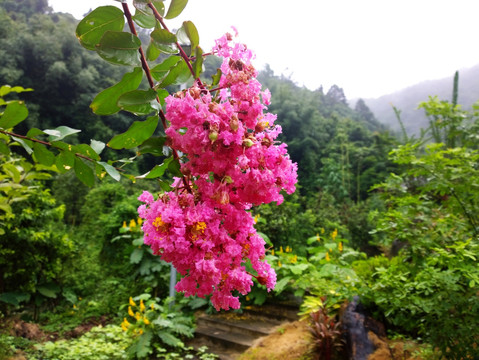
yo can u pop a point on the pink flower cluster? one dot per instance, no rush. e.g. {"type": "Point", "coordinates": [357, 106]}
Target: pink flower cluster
{"type": "Point", "coordinates": [233, 162]}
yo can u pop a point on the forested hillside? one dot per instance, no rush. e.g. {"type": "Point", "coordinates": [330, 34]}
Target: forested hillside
{"type": "Point", "coordinates": [407, 100]}
{"type": "Point", "coordinates": [390, 219]}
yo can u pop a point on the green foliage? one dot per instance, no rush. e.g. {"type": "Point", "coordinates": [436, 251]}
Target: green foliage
{"type": "Point", "coordinates": [431, 288]}
{"type": "Point", "coordinates": [155, 326]}
{"type": "Point", "coordinates": [100, 343]}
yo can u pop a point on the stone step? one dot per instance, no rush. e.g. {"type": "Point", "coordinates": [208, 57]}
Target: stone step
{"type": "Point", "coordinates": [274, 311]}
{"type": "Point", "coordinates": [255, 326]}
{"type": "Point", "coordinates": [227, 340]}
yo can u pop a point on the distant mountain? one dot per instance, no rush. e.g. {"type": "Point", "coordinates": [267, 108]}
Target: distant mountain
{"type": "Point", "coordinates": [408, 99]}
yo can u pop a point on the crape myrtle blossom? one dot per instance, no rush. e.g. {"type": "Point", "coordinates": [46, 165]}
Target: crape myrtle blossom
{"type": "Point", "coordinates": [232, 162]}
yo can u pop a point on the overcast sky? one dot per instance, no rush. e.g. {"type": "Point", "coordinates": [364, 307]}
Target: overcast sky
{"type": "Point", "coordinates": [367, 47]}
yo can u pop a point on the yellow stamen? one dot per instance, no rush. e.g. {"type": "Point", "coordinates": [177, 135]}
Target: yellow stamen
{"type": "Point", "coordinates": [159, 224]}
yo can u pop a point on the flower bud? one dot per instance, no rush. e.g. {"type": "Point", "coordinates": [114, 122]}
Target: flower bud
{"type": "Point", "coordinates": [213, 136]}
{"type": "Point", "coordinates": [247, 143]}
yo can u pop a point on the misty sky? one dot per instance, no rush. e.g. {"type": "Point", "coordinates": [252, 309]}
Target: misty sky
{"type": "Point", "coordinates": [369, 47]}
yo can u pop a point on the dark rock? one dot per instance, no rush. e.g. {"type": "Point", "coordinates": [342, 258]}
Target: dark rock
{"type": "Point", "coordinates": [356, 326]}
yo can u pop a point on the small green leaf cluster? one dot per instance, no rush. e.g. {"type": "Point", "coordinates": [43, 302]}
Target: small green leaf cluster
{"type": "Point", "coordinates": [100, 343]}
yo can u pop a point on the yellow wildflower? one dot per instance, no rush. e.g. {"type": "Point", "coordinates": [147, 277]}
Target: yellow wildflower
{"type": "Point", "coordinates": [142, 306]}
{"type": "Point", "coordinates": [256, 218]}
{"type": "Point", "coordinates": [280, 249]}
{"type": "Point", "coordinates": [125, 324]}
{"type": "Point", "coordinates": [140, 331]}
{"type": "Point", "coordinates": [287, 249]}
{"type": "Point", "coordinates": [74, 306]}
{"type": "Point", "coordinates": [132, 303]}
{"type": "Point", "coordinates": [317, 237]}
{"type": "Point", "coordinates": [272, 252]}
{"type": "Point", "coordinates": [132, 223]}
{"type": "Point", "coordinates": [146, 321]}
{"type": "Point", "coordinates": [137, 316]}
{"type": "Point", "coordinates": [327, 257]}
{"type": "Point", "coordinates": [130, 312]}
{"type": "Point", "coordinates": [322, 230]}
{"type": "Point", "coordinates": [340, 246]}
{"type": "Point", "coordinates": [279, 263]}
{"type": "Point", "coordinates": [124, 224]}
{"type": "Point", "coordinates": [334, 234]}
{"type": "Point", "coordinates": [139, 221]}
{"type": "Point", "coordinates": [152, 306]}
{"type": "Point", "coordinates": [294, 259]}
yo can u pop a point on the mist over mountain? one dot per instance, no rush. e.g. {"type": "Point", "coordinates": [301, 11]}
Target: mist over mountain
{"type": "Point", "coordinates": [408, 99]}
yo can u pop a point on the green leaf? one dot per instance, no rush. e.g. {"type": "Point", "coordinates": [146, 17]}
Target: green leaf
{"type": "Point", "coordinates": [6, 89]}
{"type": "Point", "coordinates": [84, 172]}
{"type": "Point", "coordinates": [120, 48]}
{"type": "Point", "coordinates": [143, 20]}
{"type": "Point", "coordinates": [162, 95]}
{"type": "Point", "coordinates": [65, 161]}
{"type": "Point", "coordinates": [138, 132]}
{"type": "Point", "coordinates": [14, 298]}
{"type": "Point", "coordinates": [143, 345]}
{"type": "Point", "coordinates": [174, 168]}
{"type": "Point", "coordinates": [164, 41]}
{"type": "Point", "coordinates": [281, 284]}
{"type": "Point", "coordinates": [156, 172]}
{"type": "Point", "coordinates": [216, 78]}
{"type": "Point", "coordinates": [60, 133]}
{"type": "Point", "coordinates": [142, 6]}
{"type": "Point", "coordinates": [160, 70]}
{"type": "Point", "coordinates": [136, 256]}
{"type": "Point", "coordinates": [14, 113]}
{"type": "Point", "coordinates": [265, 238]}
{"type": "Point", "coordinates": [4, 149]}
{"type": "Point", "coordinates": [179, 74]}
{"type": "Point", "coordinates": [152, 52]}
{"type": "Point", "coordinates": [26, 144]}
{"type": "Point", "coordinates": [86, 150]}
{"type": "Point", "coordinates": [33, 132]}
{"type": "Point", "coordinates": [105, 103]}
{"type": "Point", "coordinates": [111, 170]}
{"type": "Point", "coordinates": [92, 28]}
{"type": "Point", "coordinates": [165, 186]}
{"type": "Point", "coordinates": [198, 63]}
{"type": "Point", "coordinates": [42, 155]}
{"type": "Point", "coordinates": [153, 145]}
{"type": "Point", "coordinates": [97, 146]}
{"type": "Point", "coordinates": [176, 8]}
{"type": "Point", "coordinates": [168, 338]}
{"type": "Point", "coordinates": [139, 102]}
{"type": "Point", "coordinates": [189, 30]}
{"type": "Point", "coordinates": [49, 290]}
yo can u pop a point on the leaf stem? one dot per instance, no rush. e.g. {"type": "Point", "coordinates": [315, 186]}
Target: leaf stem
{"type": "Point", "coordinates": [43, 143]}
{"type": "Point", "coordinates": [180, 48]}
{"type": "Point", "coordinates": [147, 71]}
